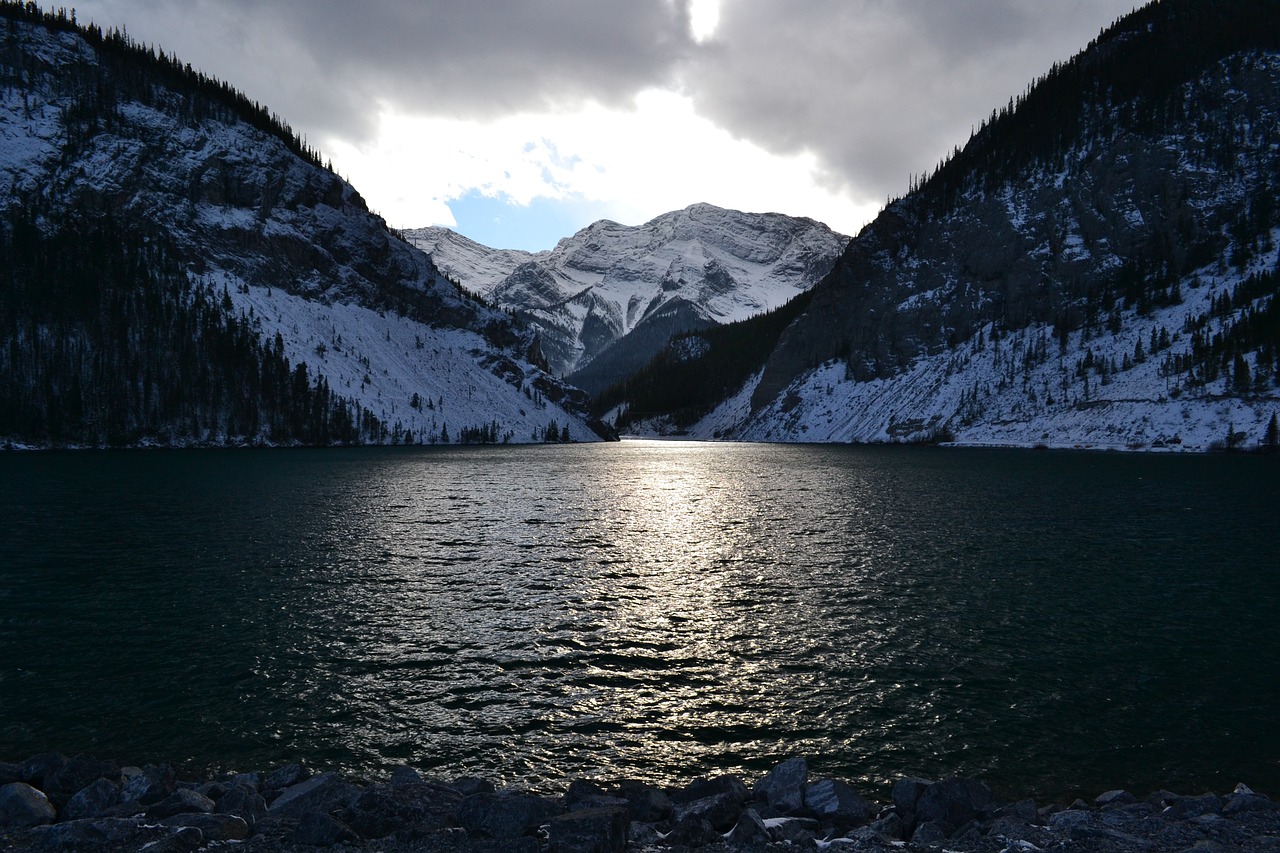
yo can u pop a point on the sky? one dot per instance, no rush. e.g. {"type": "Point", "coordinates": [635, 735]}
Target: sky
{"type": "Point", "coordinates": [517, 122]}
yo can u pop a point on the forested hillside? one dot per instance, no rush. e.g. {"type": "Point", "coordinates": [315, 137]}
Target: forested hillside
{"type": "Point", "coordinates": [1092, 268]}
{"type": "Point", "coordinates": [181, 267]}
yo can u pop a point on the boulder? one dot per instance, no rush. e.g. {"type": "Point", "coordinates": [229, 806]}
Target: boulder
{"type": "Point", "coordinates": [1247, 801]}
{"type": "Point", "coordinates": [504, 816]}
{"type": "Point", "coordinates": [930, 832]}
{"type": "Point", "coordinates": [468, 785]}
{"type": "Point", "coordinates": [181, 801]}
{"type": "Point", "coordinates": [148, 785]}
{"type": "Point", "coordinates": [749, 831]}
{"type": "Point", "coordinates": [286, 777]}
{"type": "Point", "coordinates": [22, 805]}
{"type": "Point", "coordinates": [404, 776]}
{"type": "Point", "coordinates": [1185, 808]}
{"type": "Point", "coordinates": [704, 787]}
{"type": "Point", "coordinates": [692, 832]}
{"type": "Point", "coordinates": [325, 793]}
{"type": "Point", "coordinates": [243, 803]}
{"type": "Point", "coordinates": [385, 809]}
{"type": "Point", "coordinates": [1114, 798]}
{"type": "Point", "coordinates": [646, 803]}
{"type": "Point", "coordinates": [36, 768]}
{"type": "Point", "coordinates": [317, 829]}
{"type": "Point", "coordinates": [954, 802]}
{"type": "Point", "coordinates": [73, 775]}
{"type": "Point", "coordinates": [214, 827]}
{"type": "Point", "coordinates": [906, 794]}
{"type": "Point", "coordinates": [93, 800]}
{"type": "Point", "coordinates": [590, 831]}
{"type": "Point", "coordinates": [114, 835]}
{"type": "Point", "coordinates": [783, 787]}
{"type": "Point", "coordinates": [836, 802]}
{"type": "Point", "coordinates": [252, 781]}
{"type": "Point", "coordinates": [720, 810]}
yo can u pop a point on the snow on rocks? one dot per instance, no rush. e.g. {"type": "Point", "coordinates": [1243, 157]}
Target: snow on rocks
{"type": "Point", "coordinates": [309, 811]}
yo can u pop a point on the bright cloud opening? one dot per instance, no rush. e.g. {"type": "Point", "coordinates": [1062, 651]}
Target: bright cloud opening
{"type": "Point", "coordinates": [631, 164]}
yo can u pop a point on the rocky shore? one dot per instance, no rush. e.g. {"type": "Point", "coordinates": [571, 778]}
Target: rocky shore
{"type": "Point", "coordinates": [54, 803]}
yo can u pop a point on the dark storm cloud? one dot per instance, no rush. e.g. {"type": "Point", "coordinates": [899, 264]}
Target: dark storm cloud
{"type": "Point", "coordinates": [326, 65]}
{"type": "Point", "coordinates": [878, 89]}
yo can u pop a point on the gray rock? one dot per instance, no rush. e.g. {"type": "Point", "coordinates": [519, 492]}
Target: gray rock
{"type": "Point", "coordinates": [1247, 802]}
{"type": "Point", "coordinates": [213, 790]}
{"type": "Point", "coordinates": [836, 802]}
{"type": "Point", "coordinates": [181, 801]}
{"type": "Point", "coordinates": [700, 789]}
{"type": "Point", "coordinates": [1070, 819]}
{"type": "Point", "coordinates": [405, 776]}
{"type": "Point", "coordinates": [149, 785]}
{"type": "Point", "coordinates": [793, 831]}
{"type": "Point", "coordinates": [286, 777]}
{"type": "Point", "coordinates": [590, 831]}
{"type": "Point", "coordinates": [252, 781]}
{"type": "Point", "coordinates": [955, 802]}
{"type": "Point", "coordinates": [36, 768]}
{"type": "Point", "coordinates": [643, 835]}
{"type": "Point", "coordinates": [115, 835]}
{"type": "Point", "coordinates": [749, 831]}
{"type": "Point", "coordinates": [214, 827]}
{"type": "Point", "coordinates": [503, 816]}
{"type": "Point", "coordinates": [243, 803]}
{"type": "Point", "coordinates": [1114, 798]}
{"type": "Point", "coordinates": [468, 785]}
{"type": "Point", "coordinates": [645, 802]}
{"type": "Point", "coordinates": [317, 829]}
{"type": "Point", "coordinates": [906, 794]}
{"type": "Point", "coordinates": [324, 793]}
{"type": "Point", "coordinates": [890, 826]}
{"type": "Point", "coordinates": [73, 775]}
{"type": "Point", "coordinates": [930, 832]}
{"type": "Point", "coordinates": [783, 787]}
{"type": "Point", "coordinates": [692, 832]}
{"type": "Point", "coordinates": [1023, 810]}
{"type": "Point", "coordinates": [93, 800]}
{"type": "Point", "coordinates": [720, 810]}
{"type": "Point", "coordinates": [385, 809]}
{"type": "Point", "coordinates": [23, 805]}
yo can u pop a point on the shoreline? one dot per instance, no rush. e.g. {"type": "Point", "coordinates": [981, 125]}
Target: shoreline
{"type": "Point", "coordinates": [55, 802]}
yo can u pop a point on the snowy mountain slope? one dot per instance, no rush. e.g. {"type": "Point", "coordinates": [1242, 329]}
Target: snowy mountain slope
{"type": "Point", "coordinates": [93, 127]}
{"type": "Point", "coordinates": [1024, 389]}
{"type": "Point", "coordinates": [611, 295]}
{"type": "Point", "coordinates": [1003, 299]}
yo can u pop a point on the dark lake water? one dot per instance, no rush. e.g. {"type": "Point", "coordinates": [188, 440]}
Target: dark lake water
{"type": "Point", "coordinates": [1055, 623]}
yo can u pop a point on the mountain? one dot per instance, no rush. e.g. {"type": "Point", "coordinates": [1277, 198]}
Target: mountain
{"type": "Point", "coordinates": [177, 267]}
{"type": "Point", "coordinates": [605, 300]}
{"type": "Point", "coordinates": [1096, 267]}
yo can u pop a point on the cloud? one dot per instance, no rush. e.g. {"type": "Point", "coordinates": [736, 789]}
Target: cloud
{"type": "Point", "coordinates": [878, 89]}
{"type": "Point", "coordinates": [331, 66]}
{"type": "Point", "coordinates": [814, 107]}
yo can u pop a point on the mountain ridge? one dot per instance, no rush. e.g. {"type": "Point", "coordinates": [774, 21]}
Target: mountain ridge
{"type": "Point", "coordinates": [609, 296]}
{"type": "Point", "coordinates": [1129, 193]}
{"type": "Point", "coordinates": [255, 236]}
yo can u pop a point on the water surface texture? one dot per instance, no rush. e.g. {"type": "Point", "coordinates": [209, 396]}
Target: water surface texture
{"type": "Point", "coordinates": [1055, 623]}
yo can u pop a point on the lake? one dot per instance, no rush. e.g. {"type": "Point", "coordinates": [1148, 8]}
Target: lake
{"type": "Point", "coordinates": [1055, 623]}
